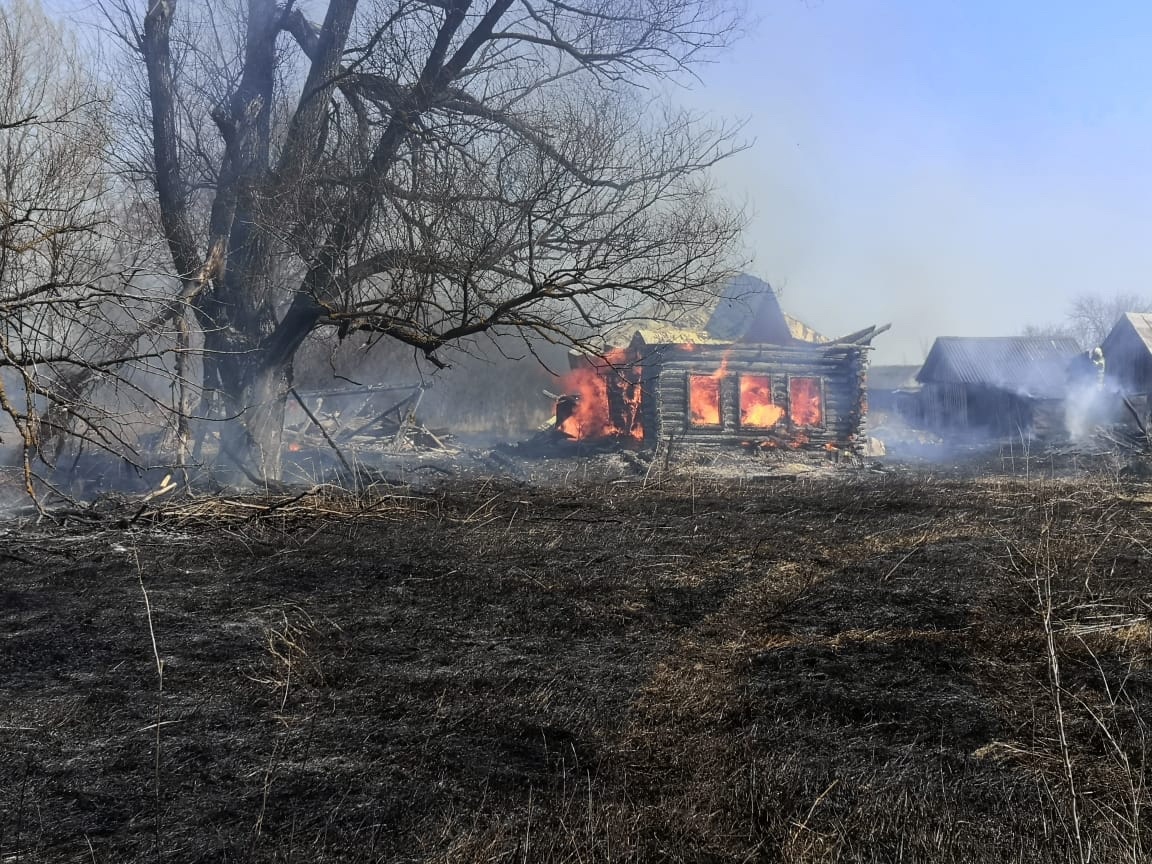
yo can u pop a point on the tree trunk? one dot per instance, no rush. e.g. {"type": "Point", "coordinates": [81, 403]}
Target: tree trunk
{"type": "Point", "coordinates": [266, 394]}
{"type": "Point", "coordinates": [252, 397]}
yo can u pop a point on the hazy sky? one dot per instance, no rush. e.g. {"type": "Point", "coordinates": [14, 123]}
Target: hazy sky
{"type": "Point", "coordinates": [954, 167]}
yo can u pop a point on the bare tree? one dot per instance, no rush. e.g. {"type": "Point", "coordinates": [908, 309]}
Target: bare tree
{"type": "Point", "coordinates": [1050, 331]}
{"type": "Point", "coordinates": [1093, 316]}
{"type": "Point", "coordinates": [421, 170]}
{"type": "Point", "coordinates": [64, 296]}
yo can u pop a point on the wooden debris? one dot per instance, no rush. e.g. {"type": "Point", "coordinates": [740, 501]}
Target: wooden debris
{"type": "Point", "coordinates": [353, 420]}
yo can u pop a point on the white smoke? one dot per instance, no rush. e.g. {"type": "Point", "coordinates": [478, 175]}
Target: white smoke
{"type": "Point", "coordinates": [1087, 407]}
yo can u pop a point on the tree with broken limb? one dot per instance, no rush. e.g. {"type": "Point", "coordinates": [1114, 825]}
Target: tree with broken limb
{"type": "Point", "coordinates": [420, 171]}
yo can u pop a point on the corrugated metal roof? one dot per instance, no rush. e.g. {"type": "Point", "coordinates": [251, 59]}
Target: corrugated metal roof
{"type": "Point", "coordinates": [1025, 365]}
{"type": "Point", "coordinates": [668, 334]}
{"type": "Point", "coordinates": [802, 331]}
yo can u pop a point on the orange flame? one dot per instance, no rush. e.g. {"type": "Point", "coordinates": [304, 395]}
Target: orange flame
{"type": "Point", "coordinates": [704, 396]}
{"type": "Point", "coordinates": [756, 405]}
{"type": "Point", "coordinates": [805, 402]}
{"type": "Point", "coordinates": [704, 400]}
{"type": "Point", "coordinates": [607, 403]}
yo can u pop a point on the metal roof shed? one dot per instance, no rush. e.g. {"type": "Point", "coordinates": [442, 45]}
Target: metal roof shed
{"type": "Point", "coordinates": [998, 383]}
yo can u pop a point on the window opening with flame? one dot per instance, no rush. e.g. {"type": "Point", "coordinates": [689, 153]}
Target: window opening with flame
{"type": "Point", "coordinates": [757, 408]}
{"type": "Point", "coordinates": [805, 402]}
{"type": "Point", "coordinates": [704, 400]}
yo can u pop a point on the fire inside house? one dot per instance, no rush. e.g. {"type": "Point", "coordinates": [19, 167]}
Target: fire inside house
{"type": "Point", "coordinates": [736, 372]}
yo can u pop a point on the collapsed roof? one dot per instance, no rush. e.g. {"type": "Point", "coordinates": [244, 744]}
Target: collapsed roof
{"type": "Point", "coordinates": [746, 310]}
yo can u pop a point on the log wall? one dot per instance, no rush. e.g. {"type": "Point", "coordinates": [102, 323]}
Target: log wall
{"type": "Point", "coordinates": [841, 369]}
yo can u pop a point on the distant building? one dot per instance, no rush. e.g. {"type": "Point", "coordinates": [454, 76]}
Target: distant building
{"type": "Point", "coordinates": [892, 389]}
{"type": "Point", "coordinates": [1128, 354]}
{"type": "Point", "coordinates": [1001, 385]}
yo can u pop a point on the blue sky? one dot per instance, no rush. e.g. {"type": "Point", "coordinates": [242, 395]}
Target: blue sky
{"type": "Point", "coordinates": [954, 168]}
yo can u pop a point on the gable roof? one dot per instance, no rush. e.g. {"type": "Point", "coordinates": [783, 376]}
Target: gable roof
{"type": "Point", "coordinates": [747, 310]}
{"type": "Point", "coordinates": [1026, 365]}
{"type": "Point", "coordinates": [1138, 323]}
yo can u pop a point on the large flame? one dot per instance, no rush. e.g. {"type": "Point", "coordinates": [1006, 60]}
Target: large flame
{"type": "Point", "coordinates": [607, 399]}
{"type": "Point", "coordinates": [589, 417]}
{"type": "Point", "coordinates": [704, 400]}
{"type": "Point", "coordinates": [756, 406]}
{"type": "Point", "coordinates": [603, 400]}
{"type": "Point", "coordinates": [704, 396]}
{"type": "Point", "coordinates": [804, 401]}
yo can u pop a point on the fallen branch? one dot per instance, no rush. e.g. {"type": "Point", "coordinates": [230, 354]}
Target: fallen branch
{"type": "Point", "coordinates": [323, 431]}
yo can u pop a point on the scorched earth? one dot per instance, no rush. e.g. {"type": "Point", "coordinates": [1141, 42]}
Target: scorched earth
{"type": "Point", "coordinates": [843, 666]}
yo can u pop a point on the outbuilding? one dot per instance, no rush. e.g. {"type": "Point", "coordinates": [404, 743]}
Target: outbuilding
{"type": "Point", "coordinates": [1004, 385]}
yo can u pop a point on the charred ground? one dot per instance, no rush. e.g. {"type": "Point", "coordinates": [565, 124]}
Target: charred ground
{"type": "Point", "coordinates": [844, 666]}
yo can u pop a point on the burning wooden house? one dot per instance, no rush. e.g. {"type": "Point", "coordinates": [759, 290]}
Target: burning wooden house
{"type": "Point", "coordinates": [736, 372]}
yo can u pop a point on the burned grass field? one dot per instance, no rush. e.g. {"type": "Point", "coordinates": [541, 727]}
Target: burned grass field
{"type": "Point", "coordinates": [855, 668]}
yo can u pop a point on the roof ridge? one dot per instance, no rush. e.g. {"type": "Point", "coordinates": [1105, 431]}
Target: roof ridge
{"type": "Point", "coordinates": [1008, 338]}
